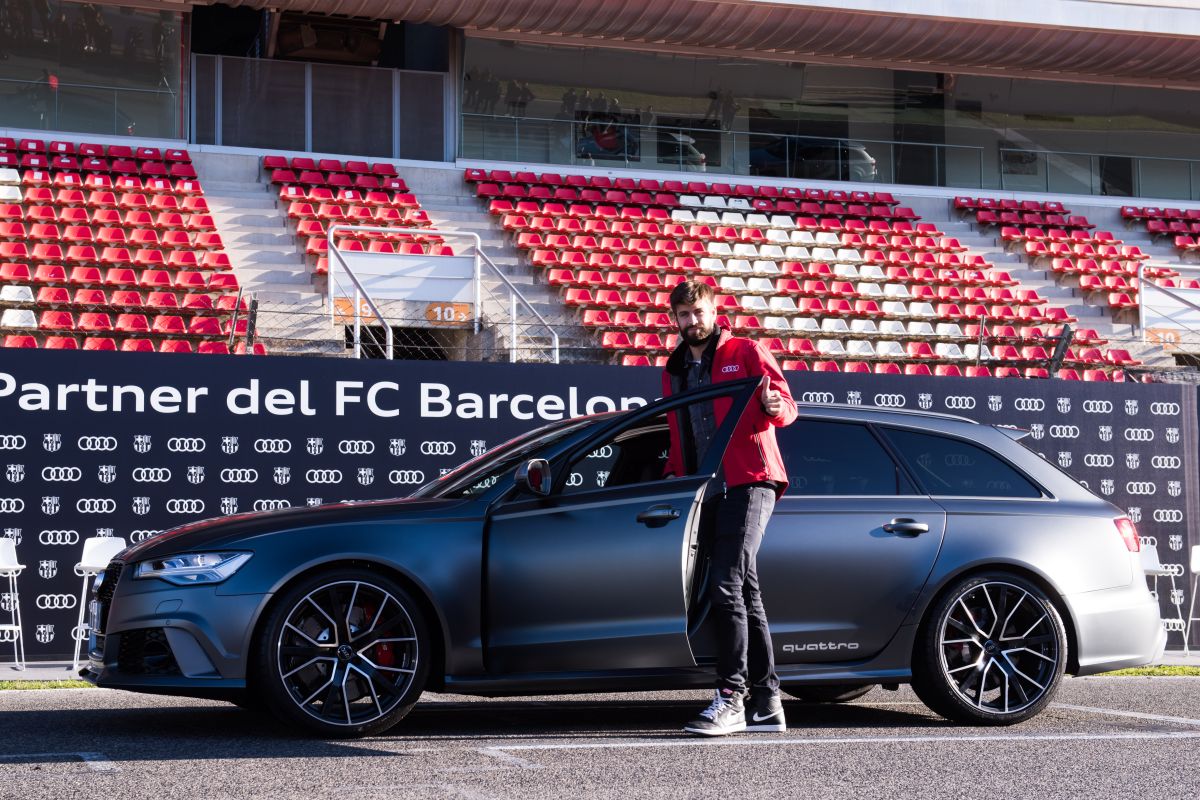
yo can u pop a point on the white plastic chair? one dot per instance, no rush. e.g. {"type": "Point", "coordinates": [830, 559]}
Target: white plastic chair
{"type": "Point", "coordinates": [760, 286]}
{"type": "Point", "coordinates": [860, 348]}
{"type": "Point", "coordinates": [948, 329]}
{"type": "Point", "coordinates": [752, 302]}
{"type": "Point", "coordinates": [709, 218]}
{"type": "Point", "coordinates": [778, 236]}
{"type": "Point", "coordinates": [871, 272]}
{"type": "Point", "coordinates": [830, 347]}
{"type": "Point", "coordinates": [690, 200]}
{"type": "Point", "coordinates": [829, 239]}
{"type": "Point", "coordinates": [9, 176]}
{"type": "Point", "coordinates": [845, 272]}
{"type": "Point", "coordinates": [18, 318]}
{"type": "Point", "coordinates": [765, 266]}
{"type": "Point", "coordinates": [834, 325]}
{"type": "Point", "coordinates": [14, 293]}
{"type": "Point", "coordinates": [783, 221]}
{"type": "Point", "coordinates": [776, 323]}
{"type": "Point", "coordinates": [734, 219]}
{"type": "Point", "coordinates": [10, 194]}
{"type": "Point", "coordinates": [1155, 569]}
{"type": "Point", "coordinates": [714, 201]}
{"type": "Point", "coordinates": [739, 265]}
{"type": "Point", "coordinates": [758, 221]}
{"type": "Point", "coordinates": [10, 569]}
{"type": "Point", "coordinates": [947, 350]}
{"type": "Point", "coordinates": [862, 327]}
{"type": "Point", "coordinates": [97, 552]}
{"type": "Point", "coordinates": [892, 327]}
{"type": "Point", "coordinates": [783, 305]}
{"type": "Point", "coordinates": [740, 203]}
{"type": "Point", "coordinates": [805, 325]}
{"type": "Point", "coordinates": [797, 253]}
{"type": "Point", "coordinates": [803, 238]}
{"type": "Point", "coordinates": [745, 250]}
{"type": "Point", "coordinates": [889, 349]}
{"type": "Point", "coordinates": [731, 285]}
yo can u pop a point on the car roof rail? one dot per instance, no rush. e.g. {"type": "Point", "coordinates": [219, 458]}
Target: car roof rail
{"type": "Point", "coordinates": [909, 411]}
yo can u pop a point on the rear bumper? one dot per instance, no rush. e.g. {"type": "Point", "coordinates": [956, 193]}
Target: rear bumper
{"type": "Point", "coordinates": [1117, 628]}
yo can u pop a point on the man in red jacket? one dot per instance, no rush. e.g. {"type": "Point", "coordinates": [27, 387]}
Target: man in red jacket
{"type": "Point", "coordinates": [753, 477]}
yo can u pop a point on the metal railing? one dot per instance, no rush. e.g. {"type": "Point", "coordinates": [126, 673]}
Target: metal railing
{"type": "Point", "coordinates": [1181, 335]}
{"type": "Point", "coordinates": [84, 107]}
{"type": "Point", "coordinates": [604, 140]}
{"type": "Point", "coordinates": [1105, 174]}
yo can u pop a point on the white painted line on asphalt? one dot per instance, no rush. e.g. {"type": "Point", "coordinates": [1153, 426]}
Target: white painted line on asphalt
{"type": "Point", "coordinates": [1135, 714]}
{"type": "Point", "coordinates": [742, 742]}
{"type": "Point", "coordinates": [96, 762]}
{"type": "Point", "coordinates": [508, 758]}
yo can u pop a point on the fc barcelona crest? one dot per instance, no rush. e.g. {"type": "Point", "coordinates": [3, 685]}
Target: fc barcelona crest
{"type": "Point", "coordinates": [48, 568]}
{"type": "Point", "coordinates": [229, 505]}
{"type": "Point", "coordinates": [396, 447]}
{"type": "Point", "coordinates": [283, 475]}
{"type": "Point", "coordinates": [229, 445]}
{"type": "Point", "coordinates": [141, 443]}
{"type": "Point", "coordinates": [15, 473]}
{"type": "Point", "coordinates": [106, 473]}
{"type": "Point", "coordinates": [141, 505]}
{"type": "Point", "coordinates": [52, 442]}
{"type": "Point", "coordinates": [366, 475]}
{"type": "Point", "coordinates": [50, 505]}
{"type": "Point", "coordinates": [195, 474]}
{"type": "Point", "coordinates": [44, 633]}
{"type": "Point", "coordinates": [315, 445]}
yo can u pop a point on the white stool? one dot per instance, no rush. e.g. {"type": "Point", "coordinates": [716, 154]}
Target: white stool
{"type": "Point", "coordinates": [1195, 565]}
{"type": "Point", "coordinates": [97, 552]}
{"type": "Point", "coordinates": [1154, 568]}
{"type": "Point", "coordinates": [9, 568]}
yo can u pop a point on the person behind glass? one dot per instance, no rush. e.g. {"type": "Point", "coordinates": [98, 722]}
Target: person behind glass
{"type": "Point", "coordinates": [752, 477]}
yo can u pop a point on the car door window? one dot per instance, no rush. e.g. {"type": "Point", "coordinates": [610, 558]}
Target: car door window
{"type": "Point", "coordinates": [948, 466]}
{"type": "Point", "coordinates": [635, 455]}
{"type": "Point", "coordinates": [838, 458]}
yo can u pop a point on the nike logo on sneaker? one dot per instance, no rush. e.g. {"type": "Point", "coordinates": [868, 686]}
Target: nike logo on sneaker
{"type": "Point", "coordinates": [756, 718]}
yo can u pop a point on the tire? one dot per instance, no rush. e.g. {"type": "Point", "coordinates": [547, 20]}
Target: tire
{"type": "Point", "coordinates": [991, 651]}
{"type": "Point", "coordinates": [354, 677]}
{"type": "Point", "coordinates": [834, 693]}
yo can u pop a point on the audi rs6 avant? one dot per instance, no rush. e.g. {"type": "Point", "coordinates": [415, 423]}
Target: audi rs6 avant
{"type": "Point", "coordinates": [909, 548]}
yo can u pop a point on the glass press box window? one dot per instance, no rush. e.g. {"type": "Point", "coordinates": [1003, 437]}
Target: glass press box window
{"type": "Point", "coordinates": [90, 68]}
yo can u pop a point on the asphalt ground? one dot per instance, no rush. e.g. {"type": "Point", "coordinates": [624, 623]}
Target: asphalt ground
{"type": "Point", "coordinates": [1103, 737]}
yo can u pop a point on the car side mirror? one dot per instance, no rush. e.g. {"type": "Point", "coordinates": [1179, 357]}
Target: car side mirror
{"type": "Point", "coordinates": [534, 476]}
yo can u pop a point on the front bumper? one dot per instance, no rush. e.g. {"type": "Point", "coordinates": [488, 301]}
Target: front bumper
{"type": "Point", "coordinates": [152, 636]}
{"type": "Point", "coordinates": [1117, 628]}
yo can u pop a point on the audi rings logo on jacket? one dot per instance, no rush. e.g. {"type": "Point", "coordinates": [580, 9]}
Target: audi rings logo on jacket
{"type": "Point", "coordinates": [271, 505]}
{"type": "Point", "coordinates": [959, 401]}
{"type": "Point", "coordinates": [438, 448]}
{"type": "Point", "coordinates": [816, 397]}
{"type": "Point", "coordinates": [61, 473]}
{"type": "Point", "coordinates": [12, 442]}
{"type": "Point", "coordinates": [140, 536]}
{"type": "Point", "coordinates": [605, 451]}
{"type": "Point", "coordinates": [323, 476]}
{"type": "Point", "coordinates": [11, 505]}
{"type": "Point", "coordinates": [183, 444]}
{"type": "Point", "coordinates": [47, 602]}
{"type": "Point", "coordinates": [1064, 431]}
{"type": "Point", "coordinates": [95, 505]}
{"type": "Point", "coordinates": [97, 443]}
{"type": "Point", "coordinates": [1097, 407]}
{"type": "Point", "coordinates": [272, 446]}
{"type": "Point", "coordinates": [239, 475]}
{"type": "Point", "coordinates": [1164, 409]}
{"type": "Point", "coordinates": [359, 447]}
{"type": "Point", "coordinates": [1139, 434]}
{"type": "Point", "coordinates": [54, 537]}
{"type": "Point", "coordinates": [1098, 460]}
{"type": "Point", "coordinates": [1168, 515]}
{"type": "Point", "coordinates": [185, 505]}
{"type": "Point", "coordinates": [408, 477]}
{"type": "Point", "coordinates": [890, 400]}
{"type": "Point", "coordinates": [1029, 404]}
{"type": "Point", "coordinates": [1140, 487]}
{"type": "Point", "coordinates": [1166, 462]}
{"type": "Point", "coordinates": [151, 474]}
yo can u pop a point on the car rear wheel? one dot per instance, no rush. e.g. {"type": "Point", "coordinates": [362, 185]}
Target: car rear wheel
{"type": "Point", "coordinates": [835, 693]}
{"type": "Point", "coordinates": [992, 651]}
{"type": "Point", "coordinates": [343, 654]}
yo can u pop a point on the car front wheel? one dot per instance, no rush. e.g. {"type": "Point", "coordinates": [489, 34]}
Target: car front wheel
{"type": "Point", "coordinates": [343, 653]}
{"type": "Point", "coordinates": [992, 651]}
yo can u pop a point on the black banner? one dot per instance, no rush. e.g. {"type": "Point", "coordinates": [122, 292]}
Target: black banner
{"type": "Point", "coordinates": [125, 444]}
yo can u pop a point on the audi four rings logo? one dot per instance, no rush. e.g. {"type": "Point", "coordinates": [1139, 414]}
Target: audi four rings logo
{"type": "Point", "coordinates": [61, 473]}
{"type": "Point", "coordinates": [890, 400]}
{"type": "Point", "coordinates": [98, 443]}
{"type": "Point", "coordinates": [358, 447]}
{"type": "Point", "coordinates": [1064, 431]}
{"type": "Point", "coordinates": [1168, 515]}
{"type": "Point", "coordinates": [960, 401]}
{"type": "Point", "coordinates": [95, 505]}
{"type": "Point", "coordinates": [1166, 462]}
{"type": "Point", "coordinates": [1139, 434]}
{"type": "Point", "coordinates": [1029, 404]}
{"type": "Point", "coordinates": [47, 602]}
{"type": "Point", "coordinates": [575, 479]}
{"type": "Point", "coordinates": [272, 446]}
{"type": "Point", "coordinates": [11, 505]}
{"type": "Point", "coordinates": [1140, 487]}
{"type": "Point", "coordinates": [58, 537]}
{"type": "Point", "coordinates": [406, 476]}
{"type": "Point", "coordinates": [1098, 460]}
{"type": "Point", "coordinates": [816, 397]}
{"type": "Point", "coordinates": [140, 536]}
{"type": "Point", "coordinates": [181, 444]}
{"type": "Point", "coordinates": [185, 505]}
{"type": "Point", "coordinates": [438, 448]}
{"type": "Point", "coordinates": [245, 475]}
{"type": "Point", "coordinates": [151, 474]}
{"type": "Point", "coordinates": [601, 452]}
{"type": "Point", "coordinates": [323, 476]}
{"type": "Point", "coordinates": [731, 368]}
{"type": "Point", "coordinates": [1164, 409]}
{"type": "Point", "coordinates": [1097, 407]}
{"type": "Point", "coordinates": [11, 442]}
{"type": "Point", "coordinates": [271, 505]}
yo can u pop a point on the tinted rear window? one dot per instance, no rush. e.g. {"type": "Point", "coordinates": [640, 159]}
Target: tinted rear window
{"type": "Point", "coordinates": [831, 458]}
{"type": "Point", "coordinates": [949, 466]}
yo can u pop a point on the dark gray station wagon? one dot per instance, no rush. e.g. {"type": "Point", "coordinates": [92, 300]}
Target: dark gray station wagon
{"type": "Point", "coordinates": [911, 548]}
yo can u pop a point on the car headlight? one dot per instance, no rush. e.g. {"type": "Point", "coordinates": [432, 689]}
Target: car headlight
{"type": "Point", "coordinates": [189, 569]}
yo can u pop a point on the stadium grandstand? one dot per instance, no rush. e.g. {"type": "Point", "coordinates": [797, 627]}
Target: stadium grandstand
{"type": "Point", "coordinates": [991, 190]}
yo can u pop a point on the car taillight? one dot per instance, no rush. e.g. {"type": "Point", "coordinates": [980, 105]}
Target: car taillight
{"type": "Point", "coordinates": [1129, 533]}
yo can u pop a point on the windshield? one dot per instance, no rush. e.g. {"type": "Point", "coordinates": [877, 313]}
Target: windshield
{"type": "Point", "coordinates": [483, 472]}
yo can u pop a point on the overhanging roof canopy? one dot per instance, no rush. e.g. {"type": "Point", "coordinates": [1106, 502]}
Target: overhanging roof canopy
{"type": "Point", "coordinates": [1131, 42]}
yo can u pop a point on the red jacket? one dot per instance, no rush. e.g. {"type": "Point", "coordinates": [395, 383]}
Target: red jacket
{"type": "Point", "coordinates": [752, 454]}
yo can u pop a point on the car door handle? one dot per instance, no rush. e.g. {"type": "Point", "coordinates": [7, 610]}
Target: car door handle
{"type": "Point", "coordinates": [904, 526]}
{"type": "Point", "coordinates": [657, 516]}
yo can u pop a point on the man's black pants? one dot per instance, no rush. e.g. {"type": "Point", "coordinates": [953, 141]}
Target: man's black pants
{"type": "Point", "coordinates": [745, 658]}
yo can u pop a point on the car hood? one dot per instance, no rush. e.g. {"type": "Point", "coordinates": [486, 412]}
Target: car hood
{"type": "Point", "coordinates": [206, 534]}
